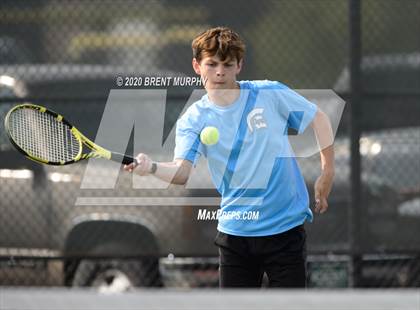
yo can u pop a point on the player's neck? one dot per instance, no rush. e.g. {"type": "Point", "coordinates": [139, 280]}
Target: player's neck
{"type": "Point", "coordinates": [224, 97]}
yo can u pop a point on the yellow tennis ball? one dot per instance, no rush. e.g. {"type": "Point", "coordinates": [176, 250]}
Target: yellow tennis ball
{"type": "Point", "coordinates": [209, 135]}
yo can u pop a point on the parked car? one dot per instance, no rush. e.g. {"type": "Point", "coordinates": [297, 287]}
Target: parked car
{"type": "Point", "coordinates": [390, 150]}
{"type": "Point", "coordinates": [40, 217]}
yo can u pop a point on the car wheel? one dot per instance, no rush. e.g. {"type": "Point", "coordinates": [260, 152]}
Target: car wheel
{"type": "Point", "coordinates": [112, 276]}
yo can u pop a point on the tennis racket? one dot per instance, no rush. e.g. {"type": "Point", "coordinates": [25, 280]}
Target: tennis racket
{"type": "Point", "coordinates": [47, 137]}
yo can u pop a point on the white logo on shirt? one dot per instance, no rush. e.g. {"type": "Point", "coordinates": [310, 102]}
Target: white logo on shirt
{"type": "Point", "coordinates": [255, 119]}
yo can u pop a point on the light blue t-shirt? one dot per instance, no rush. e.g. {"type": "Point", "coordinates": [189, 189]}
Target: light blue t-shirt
{"type": "Point", "coordinates": [252, 165]}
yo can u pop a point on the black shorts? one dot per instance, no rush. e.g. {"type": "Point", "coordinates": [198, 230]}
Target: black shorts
{"type": "Point", "coordinates": [243, 260]}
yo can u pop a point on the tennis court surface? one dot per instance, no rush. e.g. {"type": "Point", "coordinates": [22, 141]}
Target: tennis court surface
{"type": "Point", "coordinates": [71, 299]}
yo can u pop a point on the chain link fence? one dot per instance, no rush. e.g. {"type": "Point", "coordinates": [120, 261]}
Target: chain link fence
{"type": "Point", "coordinates": [56, 229]}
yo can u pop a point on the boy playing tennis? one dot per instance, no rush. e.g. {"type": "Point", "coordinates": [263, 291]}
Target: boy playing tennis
{"type": "Point", "coordinates": [251, 165]}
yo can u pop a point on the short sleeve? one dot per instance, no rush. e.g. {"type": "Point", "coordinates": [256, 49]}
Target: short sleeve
{"type": "Point", "coordinates": [296, 109]}
{"type": "Point", "coordinates": [187, 140]}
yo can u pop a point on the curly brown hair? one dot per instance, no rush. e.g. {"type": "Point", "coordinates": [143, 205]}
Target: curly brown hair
{"type": "Point", "coordinates": [220, 41]}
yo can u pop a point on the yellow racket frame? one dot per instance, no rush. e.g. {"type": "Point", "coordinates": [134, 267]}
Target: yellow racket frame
{"type": "Point", "coordinates": [97, 151]}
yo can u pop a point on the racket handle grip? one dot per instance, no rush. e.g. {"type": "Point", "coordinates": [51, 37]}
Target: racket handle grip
{"type": "Point", "coordinates": [125, 159]}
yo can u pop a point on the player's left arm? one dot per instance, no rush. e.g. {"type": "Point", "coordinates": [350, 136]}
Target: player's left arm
{"type": "Point", "coordinates": [325, 138]}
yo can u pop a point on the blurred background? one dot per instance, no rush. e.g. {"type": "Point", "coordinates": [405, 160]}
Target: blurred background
{"type": "Point", "coordinates": [66, 55]}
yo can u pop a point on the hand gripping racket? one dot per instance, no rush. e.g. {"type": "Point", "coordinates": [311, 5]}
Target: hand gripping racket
{"type": "Point", "coordinates": [47, 137]}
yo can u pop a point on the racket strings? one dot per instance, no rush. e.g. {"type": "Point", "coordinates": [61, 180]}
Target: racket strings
{"type": "Point", "coordinates": [42, 136]}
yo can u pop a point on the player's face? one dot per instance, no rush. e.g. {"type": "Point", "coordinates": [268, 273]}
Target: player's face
{"type": "Point", "coordinates": [218, 74]}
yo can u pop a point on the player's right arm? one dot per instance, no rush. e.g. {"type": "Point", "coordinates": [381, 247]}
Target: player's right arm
{"type": "Point", "coordinates": [187, 151]}
{"type": "Point", "coordinates": [175, 172]}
